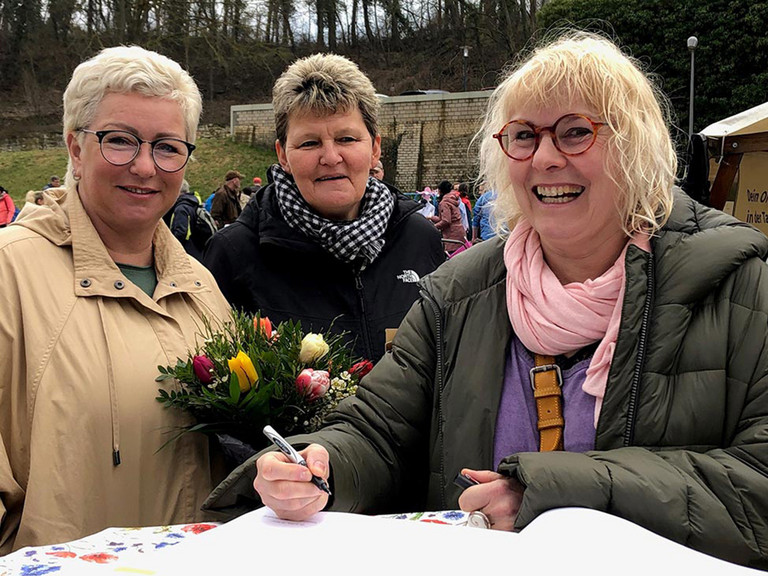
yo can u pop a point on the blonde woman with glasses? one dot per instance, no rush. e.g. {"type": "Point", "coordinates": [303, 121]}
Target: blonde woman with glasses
{"type": "Point", "coordinates": [608, 353]}
{"type": "Point", "coordinates": [96, 294]}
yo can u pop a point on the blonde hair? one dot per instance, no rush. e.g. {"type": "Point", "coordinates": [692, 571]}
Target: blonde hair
{"type": "Point", "coordinates": [580, 67]}
{"type": "Point", "coordinates": [324, 84]}
{"type": "Point", "coordinates": [127, 70]}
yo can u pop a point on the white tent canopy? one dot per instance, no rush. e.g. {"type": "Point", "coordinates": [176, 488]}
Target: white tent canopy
{"type": "Point", "coordinates": [752, 121]}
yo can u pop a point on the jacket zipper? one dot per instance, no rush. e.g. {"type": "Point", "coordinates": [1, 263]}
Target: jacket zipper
{"type": "Point", "coordinates": [634, 391]}
{"type": "Point", "coordinates": [439, 373]}
{"type": "Point", "coordinates": [361, 296]}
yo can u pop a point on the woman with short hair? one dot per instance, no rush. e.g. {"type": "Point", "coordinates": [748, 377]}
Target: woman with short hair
{"type": "Point", "coordinates": [96, 294]}
{"type": "Point", "coordinates": [643, 312]}
{"type": "Point", "coordinates": [324, 243]}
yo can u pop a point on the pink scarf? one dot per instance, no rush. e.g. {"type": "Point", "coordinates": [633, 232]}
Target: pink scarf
{"type": "Point", "coordinates": [551, 318]}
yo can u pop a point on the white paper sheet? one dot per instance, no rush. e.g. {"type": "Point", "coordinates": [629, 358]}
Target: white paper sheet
{"type": "Point", "coordinates": [566, 541]}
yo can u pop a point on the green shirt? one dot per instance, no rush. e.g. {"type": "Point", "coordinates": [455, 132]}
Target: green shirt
{"type": "Point", "coordinates": [144, 277]}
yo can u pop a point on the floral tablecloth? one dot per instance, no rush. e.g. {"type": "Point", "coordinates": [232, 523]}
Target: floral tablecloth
{"type": "Point", "coordinates": [112, 544]}
{"type": "Point", "coordinates": [104, 547]}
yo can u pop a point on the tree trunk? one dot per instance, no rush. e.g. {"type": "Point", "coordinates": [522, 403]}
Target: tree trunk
{"type": "Point", "coordinates": [367, 21]}
{"type": "Point", "coordinates": [320, 7]}
{"type": "Point", "coordinates": [330, 21]}
{"type": "Point", "coordinates": [352, 35]}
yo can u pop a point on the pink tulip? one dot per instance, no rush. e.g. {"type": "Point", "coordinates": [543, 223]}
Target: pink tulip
{"type": "Point", "coordinates": [203, 369]}
{"type": "Point", "coordinates": [313, 383]}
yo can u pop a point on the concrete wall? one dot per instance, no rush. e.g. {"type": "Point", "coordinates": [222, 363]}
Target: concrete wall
{"type": "Point", "coordinates": [425, 139]}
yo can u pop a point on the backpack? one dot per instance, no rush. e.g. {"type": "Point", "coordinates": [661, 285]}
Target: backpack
{"type": "Point", "coordinates": [209, 201]}
{"type": "Point", "coordinates": [203, 228]}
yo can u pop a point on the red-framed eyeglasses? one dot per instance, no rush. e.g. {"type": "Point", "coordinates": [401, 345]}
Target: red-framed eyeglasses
{"type": "Point", "coordinates": [572, 134]}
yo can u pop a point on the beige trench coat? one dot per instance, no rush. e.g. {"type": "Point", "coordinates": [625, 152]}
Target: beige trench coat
{"type": "Point", "coordinates": [79, 350]}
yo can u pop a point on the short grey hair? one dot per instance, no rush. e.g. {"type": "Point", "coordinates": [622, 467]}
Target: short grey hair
{"type": "Point", "coordinates": [128, 70]}
{"type": "Point", "coordinates": [324, 84]}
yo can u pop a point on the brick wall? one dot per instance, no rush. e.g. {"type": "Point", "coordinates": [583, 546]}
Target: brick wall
{"type": "Point", "coordinates": [425, 139]}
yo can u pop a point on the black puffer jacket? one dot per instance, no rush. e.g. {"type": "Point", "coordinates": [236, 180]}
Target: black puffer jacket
{"type": "Point", "coordinates": [682, 440]}
{"type": "Point", "coordinates": [261, 263]}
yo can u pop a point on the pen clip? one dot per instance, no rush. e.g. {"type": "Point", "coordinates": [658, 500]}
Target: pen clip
{"type": "Point", "coordinates": [284, 447]}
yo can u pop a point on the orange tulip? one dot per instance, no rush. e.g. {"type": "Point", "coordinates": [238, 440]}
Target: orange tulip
{"type": "Point", "coordinates": [264, 326]}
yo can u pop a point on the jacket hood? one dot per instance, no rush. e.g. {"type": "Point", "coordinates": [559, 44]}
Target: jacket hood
{"type": "Point", "coordinates": [699, 247]}
{"type": "Point", "coordinates": [50, 220]}
{"type": "Point", "coordinates": [188, 198]}
{"type": "Point", "coordinates": [451, 198]}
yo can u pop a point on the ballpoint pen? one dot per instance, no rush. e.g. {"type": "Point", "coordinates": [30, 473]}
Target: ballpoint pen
{"type": "Point", "coordinates": [295, 457]}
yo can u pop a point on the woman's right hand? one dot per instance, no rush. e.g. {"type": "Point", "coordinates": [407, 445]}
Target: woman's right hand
{"type": "Point", "coordinates": [286, 487]}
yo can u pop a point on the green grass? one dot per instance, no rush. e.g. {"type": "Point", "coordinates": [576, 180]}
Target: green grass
{"type": "Point", "coordinates": [30, 169]}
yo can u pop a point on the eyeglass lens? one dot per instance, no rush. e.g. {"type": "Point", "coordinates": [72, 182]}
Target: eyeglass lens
{"type": "Point", "coordinates": [120, 148]}
{"type": "Point", "coordinates": [572, 134]}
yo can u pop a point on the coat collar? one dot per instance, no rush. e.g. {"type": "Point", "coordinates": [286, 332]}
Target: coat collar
{"type": "Point", "coordinates": [96, 274]}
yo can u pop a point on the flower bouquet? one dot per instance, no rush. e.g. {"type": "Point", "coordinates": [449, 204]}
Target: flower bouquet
{"type": "Point", "coordinates": [248, 374]}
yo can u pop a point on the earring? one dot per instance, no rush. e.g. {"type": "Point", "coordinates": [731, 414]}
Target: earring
{"type": "Point", "coordinates": [76, 177]}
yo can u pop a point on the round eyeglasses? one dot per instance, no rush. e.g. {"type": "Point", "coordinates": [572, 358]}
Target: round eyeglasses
{"type": "Point", "coordinates": [119, 148]}
{"type": "Point", "coordinates": [572, 134]}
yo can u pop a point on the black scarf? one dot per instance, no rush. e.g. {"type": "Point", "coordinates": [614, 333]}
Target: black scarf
{"type": "Point", "coordinates": [359, 240]}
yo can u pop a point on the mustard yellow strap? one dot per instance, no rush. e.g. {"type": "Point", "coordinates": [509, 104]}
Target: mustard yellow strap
{"type": "Point", "coordinates": [547, 383]}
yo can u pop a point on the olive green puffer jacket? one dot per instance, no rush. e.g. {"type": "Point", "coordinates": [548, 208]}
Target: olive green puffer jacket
{"type": "Point", "coordinates": [682, 439]}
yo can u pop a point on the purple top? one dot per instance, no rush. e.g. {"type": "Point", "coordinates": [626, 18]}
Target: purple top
{"type": "Point", "coordinates": [516, 421]}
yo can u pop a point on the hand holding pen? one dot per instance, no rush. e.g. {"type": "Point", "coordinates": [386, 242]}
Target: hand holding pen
{"type": "Point", "coordinates": [286, 486]}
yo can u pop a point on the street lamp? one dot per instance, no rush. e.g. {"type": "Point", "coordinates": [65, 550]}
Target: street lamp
{"type": "Point", "coordinates": [692, 43]}
{"type": "Point", "coordinates": [466, 55]}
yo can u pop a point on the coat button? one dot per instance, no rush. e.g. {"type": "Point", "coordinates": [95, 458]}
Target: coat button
{"type": "Point", "coordinates": [119, 284]}
{"type": "Point", "coordinates": [173, 284]}
{"type": "Point", "coordinates": [85, 283]}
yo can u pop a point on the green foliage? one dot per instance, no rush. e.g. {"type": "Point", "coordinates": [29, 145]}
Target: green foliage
{"type": "Point", "coordinates": [25, 170]}
{"type": "Point", "coordinates": [220, 405]}
{"type": "Point", "coordinates": [730, 62]}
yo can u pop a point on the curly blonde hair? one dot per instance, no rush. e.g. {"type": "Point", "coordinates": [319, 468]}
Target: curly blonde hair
{"type": "Point", "coordinates": [580, 67]}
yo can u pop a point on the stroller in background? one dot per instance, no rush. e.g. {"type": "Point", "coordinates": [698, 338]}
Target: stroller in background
{"type": "Point", "coordinates": [453, 247]}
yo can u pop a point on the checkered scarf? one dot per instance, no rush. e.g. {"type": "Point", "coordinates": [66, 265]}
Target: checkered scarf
{"type": "Point", "coordinates": [359, 240]}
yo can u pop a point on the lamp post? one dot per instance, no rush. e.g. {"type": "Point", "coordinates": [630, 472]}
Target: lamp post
{"type": "Point", "coordinates": [466, 55]}
{"type": "Point", "coordinates": [692, 43]}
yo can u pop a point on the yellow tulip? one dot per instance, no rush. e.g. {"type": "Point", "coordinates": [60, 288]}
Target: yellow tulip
{"type": "Point", "coordinates": [245, 370]}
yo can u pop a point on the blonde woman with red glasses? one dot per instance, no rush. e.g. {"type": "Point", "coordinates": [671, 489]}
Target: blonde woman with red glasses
{"type": "Point", "coordinates": [608, 353]}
